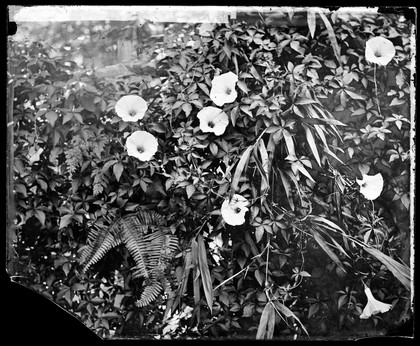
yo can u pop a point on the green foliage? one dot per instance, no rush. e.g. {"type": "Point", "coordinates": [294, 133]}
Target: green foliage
{"type": "Point", "coordinates": [146, 242]}
{"type": "Point", "coordinates": [306, 124]}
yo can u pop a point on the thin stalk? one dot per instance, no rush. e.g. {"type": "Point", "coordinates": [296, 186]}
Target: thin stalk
{"type": "Point", "coordinates": [376, 90]}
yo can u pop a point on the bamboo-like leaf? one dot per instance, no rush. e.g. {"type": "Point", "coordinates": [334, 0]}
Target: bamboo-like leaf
{"type": "Point", "coordinates": [264, 177]}
{"type": "Point", "coordinates": [311, 16]}
{"type": "Point", "coordinates": [196, 281]}
{"type": "Point", "coordinates": [184, 279]}
{"type": "Point", "coordinates": [336, 244]}
{"type": "Point", "coordinates": [328, 118]}
{"type": "Point", "coordinates": [319, 121]}
{"type": "Point", "coordinates": [331, 225]}
{"type": "Point", "coordinates": [267, 322]}
{"type": "Point", "coordinates": [331, 36]}
{"type": "Point", "coordinates": [321, 241]}
{"type": "Point", "coordinates": [400, 271]}
{"type": "Point", "coordinates": [265, 164]}
{"type": "Point", "coordinates": [288, 138]}
{"type": "Point", "coordinates": [303, 170]}
{"type": "Point", "coordinates": [242, 164]}
{"type": "Point", "coordinates": [353, 95]}
{"type": "Point", "coordinates": [312, 144]}
{"type": "Point", "coordinates": [204, 271]}
{"type": "Point", "coordinates": [287, 189]}
{"type": "Point", "coordinates": [320, 129]}
{"type": "Point", "coordinates": [329, 152]}
{"type": "Point", "coordinates": [288, 313]}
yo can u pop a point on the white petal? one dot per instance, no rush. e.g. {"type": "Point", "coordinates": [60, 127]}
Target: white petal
{"type": "Point", "coordinates": [383, 48]}
{"type": "Point", "coordinates": [373, 305]}
{"type": "Point", "coordinates": [216, 117]}
{"type": "Point", "coordinates": [221, 85]}
{"type": "Point", "coordinates": [146, 141]}
{"type": "Point", "coordinates": [131, 108]}
{"type": "Point", "coordinates": [230, 207]}
{"type": "Point", "coordinates": [371, 186]}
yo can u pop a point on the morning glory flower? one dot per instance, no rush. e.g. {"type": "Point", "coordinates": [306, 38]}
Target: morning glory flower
{"type": "Point", "coordinates": [223, 88]}
{"type": "Point", "coordinates": [131, 108]}
{"type": "Point", "coordinates": [234, 209]}
{"type": "Point", "coordinates": [373, 306]}
{"type": "Point", "coordinates": [371, 186]}
{"type": "Point", "coordinates": [142, 145]}
{"type": "Point", "coordinates": [379, 50]}
{"type": "Point", "coordinates": [213, 119]}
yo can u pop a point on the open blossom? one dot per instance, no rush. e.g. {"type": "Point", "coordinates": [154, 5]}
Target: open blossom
{"type": "Point", "coordinates": [131, 108]}
{"type": "Point", "coordinates": [379, 50]}
{"type": "Point", "coordinates": [223, 88]}
{"type": "Point", "coordinates": [233, 210]}
{"type": "Point", "coordinates": [141, 144]}
{"type": "Point", "coordinates": [213, 119]}
{"type": "Point", "coordinates": [373, 306]}
{"type": "Point", "coordinates": [371, 186]}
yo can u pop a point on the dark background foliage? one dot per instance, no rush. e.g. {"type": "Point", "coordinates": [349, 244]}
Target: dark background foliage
{"type": "Point", "coordinates": [290, 249]}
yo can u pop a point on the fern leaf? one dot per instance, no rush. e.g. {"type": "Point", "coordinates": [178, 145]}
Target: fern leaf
{"type": "Point", "coordinates": [100, 241]}
{"type": "Point", "coordinates": [149, 294]}
{"type": "Point", "coordinates": [151, 248]}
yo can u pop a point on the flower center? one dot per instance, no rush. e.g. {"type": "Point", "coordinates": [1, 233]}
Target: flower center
{"type": "Point", "coordinates": [237, 210]}
{"type": "Point", "coordinates": [211, 124]}
{"type": "Point", "coordinates": [228, 91]}
{"type": "Point", "coordinates": [140, 149]}
{"type": "Point", "coordinates": [132, 113]}
{"type": "Point", "coordinates": [377, 53]}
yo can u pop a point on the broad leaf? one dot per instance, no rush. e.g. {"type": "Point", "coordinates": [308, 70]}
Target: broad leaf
{"type": "Point", "coordinates": [51, 117]}
{"type": "Point", "coordinates": [118, 169]}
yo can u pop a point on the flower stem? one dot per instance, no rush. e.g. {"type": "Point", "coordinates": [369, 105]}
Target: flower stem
{"type": "Point", "coordinates": [376, 90]}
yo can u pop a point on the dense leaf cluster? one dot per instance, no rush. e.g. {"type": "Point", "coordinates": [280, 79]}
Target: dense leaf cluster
{"type": "Point", "coordinates": [304, 126]}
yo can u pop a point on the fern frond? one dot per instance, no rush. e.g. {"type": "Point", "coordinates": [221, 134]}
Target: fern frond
{"type": "Point", "coordinates": [100, 241]}
{"type": "Point", "coordinates": [151, 248]}
{"type": "Point", "coordinates": [149, 294]}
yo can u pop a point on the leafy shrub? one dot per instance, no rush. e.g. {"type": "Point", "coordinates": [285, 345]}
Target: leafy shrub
{"type": "Point", "coordinates": [303, 128]}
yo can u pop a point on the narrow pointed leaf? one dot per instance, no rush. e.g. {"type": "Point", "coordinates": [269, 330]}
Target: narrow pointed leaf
{"type": "Point", "coordinates": [303, 170]}
{"type": "Point", "coordinates": [204, 271]}
{"type": "Point", "coordinates": [321, 241]}
{"type": "Point", "coordinates": [312, 144]}
{"type": "Point", "coordinates": [328, 223]}
{"type": "Point", "coordinates": [242, 164]}
{"type": "Point", "coordinates": [320, 130]}
{"type": "Point", "coordinates": [266, 325]}
{"type": "Point", "coordinates": [287, 189]}
{"type": "Point", "coordinates": [184, 279]}
{"type": "Point", "coordinates": [196, 272]}
{"type": "Point", "coordinates": [288, 138]}
{"type": "Point", "coordinates": [337, 245]}
{"type": "Point", "coordinates": [400, 271]}
{"type": "Point", "coordinates": [265, 164]}
{"type": "Point", "coordinates": [311, 16]}
{"type": "Point", "coordinates": [288, 313]}
{"type": "Point", "coordinates": [331, 36]}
